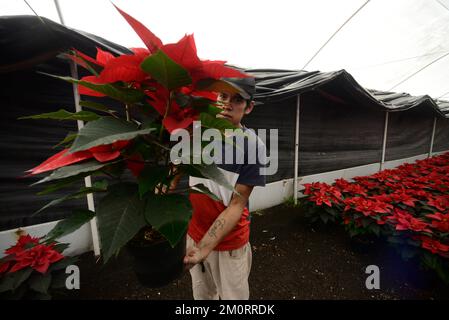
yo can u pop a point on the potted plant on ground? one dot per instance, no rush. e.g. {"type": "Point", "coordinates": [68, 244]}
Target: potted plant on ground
{"type": "Point", "coordinates": [162, 88]}
{"type": "Point", "coordinates": [32, 268]}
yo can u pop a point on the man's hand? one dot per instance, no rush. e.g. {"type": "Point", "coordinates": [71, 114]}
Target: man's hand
{"type": "Point", "coordinates": [221, 227]}
{"type": "Point", "coordinates": [193, 256]}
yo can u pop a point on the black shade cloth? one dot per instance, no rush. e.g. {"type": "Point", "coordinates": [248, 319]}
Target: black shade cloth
{"type": "Point", "coordinates": [278, 85]}
{"type": "Point", "coordinates": [341, 123]}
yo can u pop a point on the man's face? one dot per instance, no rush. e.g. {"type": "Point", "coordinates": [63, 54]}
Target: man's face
{"type": "Point", "coordinates": [234, 107]}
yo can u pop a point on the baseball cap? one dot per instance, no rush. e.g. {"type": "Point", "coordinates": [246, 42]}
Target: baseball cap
{"type": "Point", "coordinates": [246, 87]}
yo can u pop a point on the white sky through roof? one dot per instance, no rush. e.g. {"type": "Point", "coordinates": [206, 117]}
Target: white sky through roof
{"type": "Point", "coordinates": [386, 42]}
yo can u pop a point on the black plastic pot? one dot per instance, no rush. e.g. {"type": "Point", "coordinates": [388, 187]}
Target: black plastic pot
{"type": "Point", "coordinates": [158, 264]}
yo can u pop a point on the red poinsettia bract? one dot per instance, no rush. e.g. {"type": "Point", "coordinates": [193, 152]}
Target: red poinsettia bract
{"type": "Point", "coordinates": [411, 200]}
{"type": "Point", "coordinates": [28, 252]}
{"type": "Point", "coordinates": [102, 153]}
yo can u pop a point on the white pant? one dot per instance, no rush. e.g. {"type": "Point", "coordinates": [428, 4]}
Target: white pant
{"type": "Point", "coordinates": [225, 274]}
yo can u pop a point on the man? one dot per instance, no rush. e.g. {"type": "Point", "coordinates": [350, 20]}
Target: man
{"type": "Point", "coordinates": [218, 250]}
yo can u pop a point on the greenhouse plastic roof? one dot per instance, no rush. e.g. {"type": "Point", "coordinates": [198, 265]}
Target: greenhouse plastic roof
{"type": "Point", "coordinates": [277, 85]}
{"type": "Point", "coordinates": [50, 38]}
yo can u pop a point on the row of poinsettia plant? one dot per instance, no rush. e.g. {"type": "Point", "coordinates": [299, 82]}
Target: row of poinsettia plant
{"type": "Point", "coordinates": [409, 205]}
{"type": "Point", "coordinates": [161, 88]}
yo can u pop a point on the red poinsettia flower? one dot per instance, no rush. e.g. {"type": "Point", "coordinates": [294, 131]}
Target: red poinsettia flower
{"type": "Point", "coordinates": [149, 38]}
{"type": "Point", "coordinates": [22, 243]}
{"type": "Point", "coordinates": [102, 153]}
{"type": "Point", "coordinates": [108, 152]}
{"type": "Point", "coordinates": [123, 68]}
{"type": "Point", "coordinates": [320, 197]}
{"type": "Point", "coordinates": [420, 194]}
{"type": "Point", "coordinates": [4, 266]}
{"type": "Point", "coordinates": [367, 183]}
{"type": "Point", "coordinates": [89, 92]}
{"type": "Point", "coordinates": [355, 188]}
{"type": "Point", "coordinates": [179, 118]}
{"type": "Point", "coordinates": [440, 221]}
{"type": "Point", "coordinates": [439, 202]}
{"type": "Point", "coordinates": [367, 206]}
{"type": "Point", "coordinates": [176, 117]}
{"type": "Point", "coordinates": [310, 187]}
{"type": "Point", "coordinates": [323, 193]}
{"type": "Point", "coordinates": [405, 221]}
{"type": "Point", "coordinates": [434, 246]}
{"type": "Point", "coordinates": [191, 91]}
{"type": "Point", "coordinates": [38, 257]}
{"type": "Point", "coordinates": [135, 163]}
{"type": "Point", "coordinates": [383, 219]}
{"type": "Point", "coordinates": [102, 58]}
{"type": "Point", "coordinates": [402, 197]}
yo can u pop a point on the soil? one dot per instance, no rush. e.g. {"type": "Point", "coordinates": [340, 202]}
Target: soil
{"type": "Point", "coordinates": [292, 259]}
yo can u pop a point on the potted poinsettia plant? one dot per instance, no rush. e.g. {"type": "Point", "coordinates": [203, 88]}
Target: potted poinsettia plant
{"type": "Point", "coordinates": [32, 268]}
{"type": "Point", "coordinates": [162, 88]}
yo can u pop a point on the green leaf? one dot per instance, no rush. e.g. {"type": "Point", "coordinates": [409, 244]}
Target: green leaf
{"type": "Point", "coordinates": [208, 109]}
{"type": "Point", "coordinates": [211, 172]}
{"type": "Point", "coordinates": [40, 282]}
{"type": "Point", "coordinates": [87, 64]}
{"type": "Point", "coordinates": [169, 214]}
{"type": "Point", "coordinates": [437, 264]}
{"type": "Point", "coordinates": [201, 188]}
{"type": "Point", "coordinates": [60, 247]}
{"type": "Point", "coordinates": [69, 138]}
{"type": "Point", "coordinates": [79, 194]}
{"type": "Point", "coordinates": [150, 177]}
{"type": "Point", "coordinates": [59, 280]}
{"type": "Point", "coordinates": [120, 216]}
{"type": "Point", "coordinates": [395, 240]}
{"type": "Point", "coordinates": [366, 222]}
{"type": "Point", "coordinates": [77, 219]}
{"type": "Point", "coordinates": [200, 104]}
{"type": "Point", "coordinates": [61, 184]}
{"type": "Point", "coordinates": [126, 95]}
{"type": "Point", "coordinates": [166, 71]}
{"type": "Point", "coordinates": [209, 121]}
{"type": "Point", "coordinates": [95, 106]}
{"type": "Point", "coordinates": [106, 130]}
{"type": "Point", "coordinates": [375, 229]}
{"type": "Point", "coordinates": [62, 264]}
{"type": "Point", "coordinates": [12, 281]}
{"type": "Point", "coordinates": [73, 170]}
{"type": "Point", "coordinates": [65, 115]}
{"type": "Point", "coordinates": [143, 148]}
{"type": "Point", "coordinates": [182, 99]}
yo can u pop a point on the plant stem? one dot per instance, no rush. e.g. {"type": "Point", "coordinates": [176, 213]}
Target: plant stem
{"type": "Point", "coordinates": [127, 112]}
{"type": "Point", "coordinates": [167, 109]}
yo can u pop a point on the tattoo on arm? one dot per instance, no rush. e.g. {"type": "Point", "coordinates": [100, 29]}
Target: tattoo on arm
{"type": "Point", "coordinates": [218, 224]}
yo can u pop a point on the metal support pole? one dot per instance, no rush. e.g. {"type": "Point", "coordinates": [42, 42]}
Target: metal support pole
{"type": "Point", "coordinates": [295, 181]}
{"type": "Point", "coordinates": [87, 180]}
{"type": "Point", "coordinates": [384, 142]}
{"type": "Point", "coordinates": [433, 136]}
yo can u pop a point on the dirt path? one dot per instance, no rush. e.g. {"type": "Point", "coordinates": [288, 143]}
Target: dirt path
{"type": "Point", "coordinates": [291, 260]}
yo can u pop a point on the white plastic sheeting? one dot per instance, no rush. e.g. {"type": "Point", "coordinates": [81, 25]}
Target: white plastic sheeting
{"type": "Point", "coordinates": [385, 43]}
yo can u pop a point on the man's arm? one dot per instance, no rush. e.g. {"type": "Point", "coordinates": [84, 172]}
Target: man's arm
{"type": "Point", "coordinates": [221, 227]}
